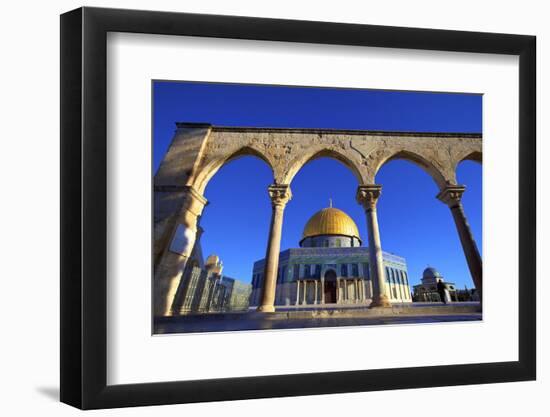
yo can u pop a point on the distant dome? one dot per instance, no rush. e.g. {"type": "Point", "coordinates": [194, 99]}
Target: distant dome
{"type": "Point", "coordinates": [431, 273]}
{"type": "Point", "coordinates": [330, 221]}
{"type": "Point", "coordinates": [214, 264]}
{"type": "Point", "coordinates": [212, 260]}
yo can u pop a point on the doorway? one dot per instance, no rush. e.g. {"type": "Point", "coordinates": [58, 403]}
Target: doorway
{"type": "Point", "coordinates": [330, 287]}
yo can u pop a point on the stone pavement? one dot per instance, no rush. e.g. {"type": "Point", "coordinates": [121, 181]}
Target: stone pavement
{"type": "Point", "coordinates": [314, 318]}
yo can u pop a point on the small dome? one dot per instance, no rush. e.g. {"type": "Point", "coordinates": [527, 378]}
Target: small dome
{"type": "Point", "coordinates": [213, 264]}
{"type": "Point", "coordinates": [330, 221]}
{"type": "Point", "coordinates": [212, 260]}
{"type": "Point", "coordinates": [431, 273]}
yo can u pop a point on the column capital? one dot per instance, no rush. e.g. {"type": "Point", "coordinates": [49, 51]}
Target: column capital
{"type": "Point", "coordinates": [280, 194]}
{"type": "Point", "coordinates": [451, 195]}
{"type": "Point", "coordinates": [367, 195]}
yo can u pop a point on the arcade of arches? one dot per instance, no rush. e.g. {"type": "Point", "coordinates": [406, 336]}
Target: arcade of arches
{"type": "Point", "coordinates": [197, 152]}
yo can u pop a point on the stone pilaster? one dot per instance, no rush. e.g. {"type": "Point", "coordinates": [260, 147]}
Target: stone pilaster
{"type": "Point", "coordinates": [172, 263]}
{"type": "Point", "coordinates": [280, 195]}
{"type": "Point", "coordinates": [452, 196]}
{"type": "Point", "coordinates": [367, 196]}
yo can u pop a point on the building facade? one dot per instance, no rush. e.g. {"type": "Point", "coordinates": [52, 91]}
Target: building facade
{"type": "Point", "coordinates": [204, 289]}
{"type": "Point", "coordinates": [330, 267]}
{"type": "Point", "coordinates": [427, 290]}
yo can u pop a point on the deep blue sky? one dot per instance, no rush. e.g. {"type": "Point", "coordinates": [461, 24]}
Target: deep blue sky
{"type": "Point", "coordinates": [413, 223]}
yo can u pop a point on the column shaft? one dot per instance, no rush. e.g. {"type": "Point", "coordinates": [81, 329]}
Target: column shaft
{"type": "Point", "coordinates": [280, 195]}
{"type": "Point", "coordinates": [367, 196]}
{"type": "Point", "coordinates": [468, 245]}
{"type": "Point", "coordinates": [346, 291]}
{"type": "Point", "coordinates": [452, 196]}
{"type": "Point", "coordinates": [315, 297]}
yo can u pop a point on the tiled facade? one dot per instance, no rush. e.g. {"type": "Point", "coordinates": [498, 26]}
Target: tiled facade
{"type": "Point", "coordinates": [330, 275]}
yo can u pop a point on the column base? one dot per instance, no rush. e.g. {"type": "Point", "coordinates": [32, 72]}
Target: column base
{"type": "Point", "coordinates": [380, 302]}
{"type": "Point", "coordinates": [266, 309]}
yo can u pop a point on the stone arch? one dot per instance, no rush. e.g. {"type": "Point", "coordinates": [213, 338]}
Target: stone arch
{"type": "Point", "coordinates": [475, 156]}
{"type": "Point", "coordinates": [424, 163]}
{"type": "Point", "coordinates": [199, 150]}
{"type": "Point", "coordinates": [208, 170]}
{"type": "Point", "coordinates": [302, 160]}
{"type": "Point", "coordinates": [330, 274]}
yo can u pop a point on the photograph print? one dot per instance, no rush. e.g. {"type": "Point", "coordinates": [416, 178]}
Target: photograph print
{"type": "Point", "coordinates": [292, 207]}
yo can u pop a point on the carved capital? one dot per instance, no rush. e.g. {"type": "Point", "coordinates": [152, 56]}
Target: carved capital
{"type": "Point", "coordinates": [451, 195]}
{"type": "Point", "coordinates": [280, 194]}
{"type": "Point", "coordinates": [367, 195]}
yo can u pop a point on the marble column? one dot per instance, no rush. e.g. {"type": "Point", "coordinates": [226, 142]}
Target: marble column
{"type": "Point", "coordinates": [452, 195]}
{"type": "Point", "coordinates": [280, 195]}
{"type": "Point", "coordinates": [367, 196]}
{"type": "Point", "coordinates": [297, 292]}
{"type": "Point", "coordinates": [304, 298]}
{"type": "Point", "coordinates": [322, 291]}
{"type": "Point", "coordinates": [315, 297]}
{"type": "Point", "coordinates": [346, 291]}
{"type": "Point", "coordinates": [173, 260]}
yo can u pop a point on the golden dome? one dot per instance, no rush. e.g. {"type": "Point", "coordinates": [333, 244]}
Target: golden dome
{"type": "Point", "coordinates": [330, 221]}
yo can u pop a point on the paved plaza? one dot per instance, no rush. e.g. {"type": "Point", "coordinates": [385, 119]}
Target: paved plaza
{"type": "Point", "coordinates": [308, 318]}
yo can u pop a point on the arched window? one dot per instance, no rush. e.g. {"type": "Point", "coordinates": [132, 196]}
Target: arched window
{"type": "Point", "coordinates": [344, 270]}
{"type": "Point", "coordinates": [366, 270]}
{"type": "Point", "coordinates": [318, 271]}
{"type": "Point", "coordinates": [397, 276]}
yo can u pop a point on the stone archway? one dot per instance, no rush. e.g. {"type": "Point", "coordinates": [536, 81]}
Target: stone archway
{"type": "Point", "coordinates": [198, 150]}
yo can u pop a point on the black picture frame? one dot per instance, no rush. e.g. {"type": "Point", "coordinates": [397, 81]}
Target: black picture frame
{"type": "Point", "coordinates": [84, 207]}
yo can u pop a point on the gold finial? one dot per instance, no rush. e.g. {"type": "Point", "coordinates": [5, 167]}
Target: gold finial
{"type": "Point", "coordinates": [330, 202]}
